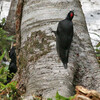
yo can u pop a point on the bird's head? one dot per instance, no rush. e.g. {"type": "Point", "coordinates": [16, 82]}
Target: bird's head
{"type": "Point", "coordinates": [70, 15]}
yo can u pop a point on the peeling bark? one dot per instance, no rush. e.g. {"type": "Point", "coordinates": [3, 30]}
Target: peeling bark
{"type": "Point", "coordinates": [19, 75]}
{"type": "Point", "coordinates": [18, 27]}
{"type": "Point", "coordinates": [85, 94]}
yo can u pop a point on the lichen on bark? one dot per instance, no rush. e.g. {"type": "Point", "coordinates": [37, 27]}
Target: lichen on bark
{"type": "Point", "coordinates": [37, 45]}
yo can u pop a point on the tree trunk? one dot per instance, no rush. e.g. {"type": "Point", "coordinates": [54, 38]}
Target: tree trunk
{"type": "Point", "coordinates": [10, 23]}
{"type": "Point", "coordinates": [40, 70]}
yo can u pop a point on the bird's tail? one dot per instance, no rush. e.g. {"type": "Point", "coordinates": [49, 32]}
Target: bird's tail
{"type": "Point", "coordinates": [63, 54]}
{"type": "Point", "coordinates": [65, 66]}
{"type": "Point", "coordinates": [66, 59]}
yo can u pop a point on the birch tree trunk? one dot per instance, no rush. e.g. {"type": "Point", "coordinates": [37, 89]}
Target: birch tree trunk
{"type": "Point", "coordinates": [40, 70]}
{"type": "Point", "coordinates": [10, 23]}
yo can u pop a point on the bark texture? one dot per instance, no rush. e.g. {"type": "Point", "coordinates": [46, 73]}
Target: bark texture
{"type": "Point", "coordinates": [41, 71]}
{"type": "Point", "coordinates": [10, 23]}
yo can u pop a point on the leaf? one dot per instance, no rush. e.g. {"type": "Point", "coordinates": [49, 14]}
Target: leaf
{"type": "Point", "coordinates": [57, 94]}
{"type": "Point", "coordinates": [2, 31]}
{"type": "Point", "coordinates": [98, 45]}
{"type": "Point", "coordinates": [49, 99]}
{"type": "Point", "coordinates": [59, 97]}
{"type": "Point", "coordinates": [3, 21]}
{"type": "Point", "coordinates": [10, 38]}
{"type": "Point", "coordinates": [2, 70]}
{"type": "Point", "coordinates": [2, 87]}
{"type": "Point", "coordinates": [1, 80]}
{"type": "Point", "coordinates": [97, 50]}
{"type": "Point", "coordinates": [1, 57]}
{"type": "Point", "coordinates": [98, 55]}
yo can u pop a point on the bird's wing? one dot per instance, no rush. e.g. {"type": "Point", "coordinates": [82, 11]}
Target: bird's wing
{"type": "Point", "coordinates": [59, 28]}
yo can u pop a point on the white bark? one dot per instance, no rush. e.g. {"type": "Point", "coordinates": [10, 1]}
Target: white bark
{"type": "Point", "coordinates": [4, 9]}
{"type": "Point", "coordinates": [10, 23]}
{"type": "Point", "coordinates": [44, 71]}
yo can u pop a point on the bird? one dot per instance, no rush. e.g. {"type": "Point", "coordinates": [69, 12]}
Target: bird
{"type": "Point", "coordinates": [12, 70]}
{"type": "Point", "coordinates": [64, 36]}
{"type": "Point", "coordinates": [12, 53]}
{"type": "Point", "coordinates": [12, 66]}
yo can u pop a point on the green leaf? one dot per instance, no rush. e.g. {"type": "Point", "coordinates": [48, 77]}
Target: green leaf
{"type": "Point", "coordinates": [2, 31]}
{"type": "Point", "coordinates": [59, 97]}
{"type": "Point", "coordinates": [10, 38]}
{"type": "Point", "coordinates": [2, 70]}
{"type": "Point", "coordinates": [2, 87]}
{"type": "Point", "coordinates": [98, 55]}
{"type": "Point", "coordinates": [1, 79]}
{"type": "Point", "coordinates": [98, 45]}
{"type": "Point", "coordinates": [49, 99]}
{"type": "Point", "coordinates": [1, 57]}
{"type": "Point", "coordinates": [3, 21]}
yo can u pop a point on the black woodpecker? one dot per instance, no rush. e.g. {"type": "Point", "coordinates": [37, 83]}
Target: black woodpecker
{"type": "Point", "coordinates": [12, 66]}
{"type": "Point", "coordinates": [64, 36]}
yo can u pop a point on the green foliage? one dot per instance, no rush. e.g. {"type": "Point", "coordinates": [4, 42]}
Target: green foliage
{"type": "Point", "coordinates": [59, 97]}
{"type": "Point", "coordinates": [49, 99]}
{"type": "Point", "coordinates": [98, 51]}
{"type": "Point", "coordinates": [3, 22]}
{"type": "Point", "coordinates": [1, 57]}
{"type": "Point", "coordinates": [3, 69]}
{"type": "Point", "coordinates": [3, 74]}
{"type": "Point", "coordinates": [98, 47]}
{"type": "Point", "coordinates": [5, 39]}
{"type": "Point", "coordinates": [11, 86]}
{"type": "Point", "coordinates": [10, 75]}
{"type": "Point", "coordinates": [10, 90]}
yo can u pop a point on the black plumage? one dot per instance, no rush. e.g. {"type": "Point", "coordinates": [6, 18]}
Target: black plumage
{"type": "Point", "coordinates": [12, 54]}
{"type": "Point", "coordinates": [12, 66]}
{"type": "Point", "coordinates": [64, 35]}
